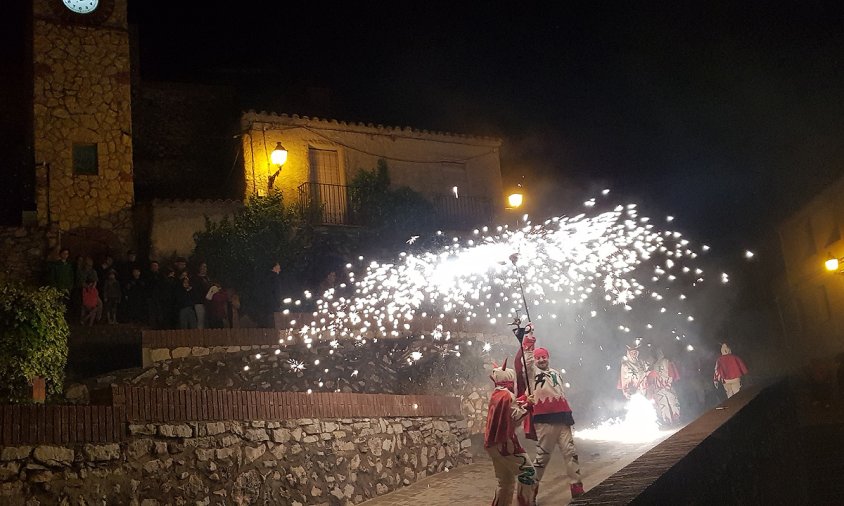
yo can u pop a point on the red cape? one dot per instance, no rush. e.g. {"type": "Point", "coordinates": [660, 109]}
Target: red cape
{"type": "Point", "coordinates": [521, 389]}
{"type": "Point", "coordinates": [500, 427]}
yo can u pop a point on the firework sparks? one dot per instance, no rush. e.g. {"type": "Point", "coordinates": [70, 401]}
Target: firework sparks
{"type": "Point", "coordinates": [572, 260]}
{"type": "Point", "coordinates": [639, 424]}
{"type": "Point", "coordinates": [606, 266]}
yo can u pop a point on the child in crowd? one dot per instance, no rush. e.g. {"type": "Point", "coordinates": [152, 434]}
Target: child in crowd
{"type": "Point", "coordinates": [111, 296]}
{"type": "Point", "coordinates": [92, 306]}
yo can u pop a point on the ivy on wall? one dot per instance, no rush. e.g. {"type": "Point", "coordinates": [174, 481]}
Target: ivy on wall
{"type": "Point", "coordinates": [33, 340]}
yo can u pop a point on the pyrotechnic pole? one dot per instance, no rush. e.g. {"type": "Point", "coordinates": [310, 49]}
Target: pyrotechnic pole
{"type": "Point", "coordinates": [515, 258]}
{"type": "Point", "coordinates": [519, 331]}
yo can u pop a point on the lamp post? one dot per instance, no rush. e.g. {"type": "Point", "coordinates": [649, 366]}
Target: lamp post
{"type": "Point", "coordinates": [515, 201]}
{"type": "Point", "coordinates": [277, 157]}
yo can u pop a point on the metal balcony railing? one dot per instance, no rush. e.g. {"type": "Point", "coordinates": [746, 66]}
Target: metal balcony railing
{"type": "Point", "coordinates": [462, 213]}
{"type": "Point", "coordinates": [331, 204]}
{"type": "Point", "coordinates": [327, 204]}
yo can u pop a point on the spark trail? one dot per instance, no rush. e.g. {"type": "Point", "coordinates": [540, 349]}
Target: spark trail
{"type": "Point", "coordinates": [608, 262]}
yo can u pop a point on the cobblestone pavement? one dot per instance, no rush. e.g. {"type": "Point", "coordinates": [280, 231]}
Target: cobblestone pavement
{"type": "Point", "coordinates": [475, 484]}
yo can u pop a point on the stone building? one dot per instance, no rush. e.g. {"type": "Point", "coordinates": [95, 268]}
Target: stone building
{"type": "Point", "coordinates": [459, 174]}
{"type": "Point", "coordinates": [82, 116]}
{"type": "Point", "coordinates": [83, 156]}
{"type": "Point", "coordinates": [812, 302]}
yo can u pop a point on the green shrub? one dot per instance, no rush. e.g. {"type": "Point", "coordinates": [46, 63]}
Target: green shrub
{"type": "Point", "coordinates": [391, 216]}
{"type": "Point", "coordinates": [241, 251]}
{"type": "Point", "coordinates": [33, 340]}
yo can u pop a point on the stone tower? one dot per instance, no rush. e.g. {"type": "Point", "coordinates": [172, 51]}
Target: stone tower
{"type": "Point", "coordinates": [82, 117]}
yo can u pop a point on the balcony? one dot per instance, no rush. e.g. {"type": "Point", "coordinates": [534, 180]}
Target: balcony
{"type": "Point", "coordinates": [462, 213]}
{"type": "Point", "coordinates": [330, 204]}
{"type": "Point", "coordinates": [327, 204]}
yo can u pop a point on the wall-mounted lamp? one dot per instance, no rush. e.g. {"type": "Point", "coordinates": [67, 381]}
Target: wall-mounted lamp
{"type": "Point", "coordinates": [277, 157]}
{"type": "Point", "coordinates": [831, 263]}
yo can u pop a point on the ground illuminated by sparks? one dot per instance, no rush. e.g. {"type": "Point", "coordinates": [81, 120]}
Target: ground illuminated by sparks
{"type": "Point", "coordinates": [639, 425]}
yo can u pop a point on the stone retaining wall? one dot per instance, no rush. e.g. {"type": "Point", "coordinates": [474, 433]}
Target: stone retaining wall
{"type": "Point", "coordinates": [216, 357]}
{"type": "Point", "coordinates": [23, 250]}
{"type": "Point", "coordinates": [294, 462]}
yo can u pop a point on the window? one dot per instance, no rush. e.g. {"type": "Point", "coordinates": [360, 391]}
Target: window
{"type": "Point", "coordinates": [327, 188]}
{"type": "Point", "coordinates": [85, 162]}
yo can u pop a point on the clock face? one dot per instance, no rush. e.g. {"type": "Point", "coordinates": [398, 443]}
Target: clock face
{"type": "Point", "coordinates": [81, 6]}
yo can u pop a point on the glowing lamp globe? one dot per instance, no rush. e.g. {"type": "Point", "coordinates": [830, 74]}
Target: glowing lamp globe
{"type": "Point", "coordinates": [515, 199]}
{"type": "Point", "coordinates": [831, 264]}
{"type": "Point", "coordinates": [279, 155]}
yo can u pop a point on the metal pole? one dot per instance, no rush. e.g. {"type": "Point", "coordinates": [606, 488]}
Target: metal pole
{"type": "Point", "coordinates": [520, 335]}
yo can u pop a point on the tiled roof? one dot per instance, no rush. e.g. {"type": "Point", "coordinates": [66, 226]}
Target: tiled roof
{"type": "Point", "coordinates": [251, 116]}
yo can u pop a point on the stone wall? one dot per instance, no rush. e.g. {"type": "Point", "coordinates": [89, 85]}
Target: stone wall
{"type": "Point", "coordinates": [294, 462]}
{"type": "Point", "coordinates": [172, 223]}
{"type": "Point", "coordinates": [23, 250]}
{"type": "Point", "coordinates": [82, 95]}
{"type": "Point", "coordinates": [227, 358]}
{"type": "Point", "coordinates": [435, 161]}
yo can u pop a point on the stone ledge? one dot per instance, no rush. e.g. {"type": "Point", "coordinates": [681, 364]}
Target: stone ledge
{"type": "Point", "coordinates": [741, 452]}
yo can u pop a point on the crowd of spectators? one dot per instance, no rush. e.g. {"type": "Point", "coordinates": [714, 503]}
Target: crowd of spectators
{"type": "Point", "coordinates": [132, 291]}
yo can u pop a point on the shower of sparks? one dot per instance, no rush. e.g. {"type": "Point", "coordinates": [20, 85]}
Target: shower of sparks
{"type": "Point", "coordinates": [573, 261]}
{"type": "Point", "coordinates": [611, 269]}
{"type": "Point", "coordinates": [638, 426]}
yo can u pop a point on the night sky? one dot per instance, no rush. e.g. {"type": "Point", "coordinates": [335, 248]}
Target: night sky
{"type": "Point", "coordinates": [727, 117]}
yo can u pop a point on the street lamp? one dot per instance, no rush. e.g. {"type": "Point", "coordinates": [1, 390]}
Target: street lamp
{"type": "Point", "coordinates": [515, 200]}
{"type": "Point", "coordinates": [277, 157]}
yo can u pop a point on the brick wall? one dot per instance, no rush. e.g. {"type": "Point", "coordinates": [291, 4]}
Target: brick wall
{"type": "Point", "coordinates": [61, 424]}
{"type": "Point", "coordinates": [144, 405]}
{"type": "Point", "coordinates": [106, 421]}
{"type": "Point", "coordinates": [177, 338]}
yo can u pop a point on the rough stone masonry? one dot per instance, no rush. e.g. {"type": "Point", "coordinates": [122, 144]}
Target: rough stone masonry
{"type": "Point", "coordinates": [295, 462]}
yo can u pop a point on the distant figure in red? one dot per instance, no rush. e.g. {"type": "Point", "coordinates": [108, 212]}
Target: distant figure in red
{"type": "Point", "coordinates": [509, 458]}
{"type": "Point", "coordinates": [729, 369]}
{"type": "Point", "coordinates": [632, 372]}
{"type": "Point", "coordinates": [660, 389]}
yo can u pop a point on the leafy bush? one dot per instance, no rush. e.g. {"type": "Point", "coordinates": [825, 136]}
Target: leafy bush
{"type": "Point", "coordinates": [33, 340]}
{"type": "Point", "coordinates": [241, 251]}
{"type": "Point", "coordinates": [391, 216]}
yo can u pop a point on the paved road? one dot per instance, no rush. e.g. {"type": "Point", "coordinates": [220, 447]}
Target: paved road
{"type": "Point", "coordinates": [475, 484]}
